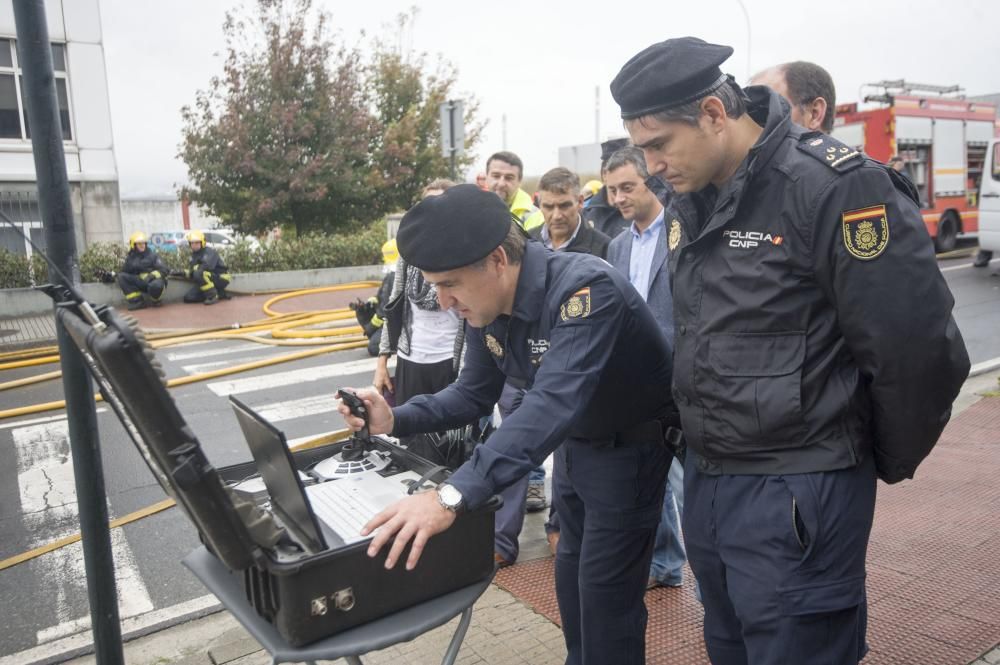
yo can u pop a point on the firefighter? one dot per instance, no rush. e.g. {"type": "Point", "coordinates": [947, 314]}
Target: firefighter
{"type": "Point", "coordinates": [143, 272]}
{"type": "Point", "coordinates": [207, 271]}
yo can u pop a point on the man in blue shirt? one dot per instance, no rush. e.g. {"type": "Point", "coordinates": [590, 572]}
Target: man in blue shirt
{"type": "Point", "coordinates": [641, 252]}
{"type": "Point", "coordinates": [571, 331]}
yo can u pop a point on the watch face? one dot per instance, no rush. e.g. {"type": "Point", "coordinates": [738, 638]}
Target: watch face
{"type": "Point", "coordinates": [450, 496]}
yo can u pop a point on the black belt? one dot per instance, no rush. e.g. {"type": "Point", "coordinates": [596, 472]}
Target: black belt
{"type": "Point", "coordinates": [654, 430]}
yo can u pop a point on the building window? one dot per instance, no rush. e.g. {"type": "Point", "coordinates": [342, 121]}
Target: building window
{"type": "Point", "coordinates": [13, 115]}
{"type": "Point", "coordinates": [20, 205]}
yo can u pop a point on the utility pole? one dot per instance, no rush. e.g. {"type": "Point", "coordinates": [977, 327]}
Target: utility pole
{"type": "Point", "coordinates": [597, 114]}
{"type": "Point", "coordinates": [35, 54]}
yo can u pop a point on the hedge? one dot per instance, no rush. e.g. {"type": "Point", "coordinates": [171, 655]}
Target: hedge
{"type": "Point", "coordinates": [304, 253]}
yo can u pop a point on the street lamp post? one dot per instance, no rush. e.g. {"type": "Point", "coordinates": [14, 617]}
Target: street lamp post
{"type": "Point", "coordinates": [746, 16]}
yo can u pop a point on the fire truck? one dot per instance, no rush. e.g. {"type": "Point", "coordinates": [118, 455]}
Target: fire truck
{"type": "Point", "coordinates": [942, 139]}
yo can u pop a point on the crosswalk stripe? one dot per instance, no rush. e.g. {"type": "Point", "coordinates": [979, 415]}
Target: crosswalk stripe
{"type": "Point", "coordinates": [292, 377]}
{"type": "Point", "coordinates": [204, 353]}
{"type": "Point", "coordinates": [49, 511]}
{"type": "Point", "coordinates": [297, 408]}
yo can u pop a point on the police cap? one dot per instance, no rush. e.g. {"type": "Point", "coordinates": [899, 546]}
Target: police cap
{"type": "Point", "coordinates": [610, 147]}
{"type": "Point", "coordinates": [668, 74]}
{"type": "Point", "coordinates": [453, 230]}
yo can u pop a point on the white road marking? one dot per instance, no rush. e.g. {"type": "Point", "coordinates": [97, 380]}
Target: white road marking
{"type": "Point", "coordinates": [49, 511]}
{"type": "Point", "coordinates": [967, 265]}
{"type": "Point", "coordinates": [36, 421]}
{"type": "Point", "coordinates": [235, 348]}
{"type": "Point", "coordinates": [297, 408]}
{"type": "Point", "coordinates": [292, 377]}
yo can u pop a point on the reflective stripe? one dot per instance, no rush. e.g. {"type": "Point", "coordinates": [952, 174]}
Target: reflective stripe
{"type": "Point", "coordinates": [144, 276]}
{"type": "Point", "coordinates": [226, 276]}
{"type": "Point", "coordinates": [377, 321]}
{"type": "Point", "coordinates": [207, 287]}
{"type": "Point", "coordinates": [133, 295]}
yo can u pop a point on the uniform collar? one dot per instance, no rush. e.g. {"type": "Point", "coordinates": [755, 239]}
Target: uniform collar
{"type": "Point", "coordinates": [547, 241]}
{"type": "Point", "coordinates": [530, 294]}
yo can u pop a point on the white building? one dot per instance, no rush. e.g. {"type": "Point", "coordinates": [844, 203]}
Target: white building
{"type": "Point", "coordinates": [82, 90]}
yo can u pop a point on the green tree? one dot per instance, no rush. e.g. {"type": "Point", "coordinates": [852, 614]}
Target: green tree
{"type": "Point", "coordinates": [407, 95]}
{"type": "Point", "coordinates": [284, 136]}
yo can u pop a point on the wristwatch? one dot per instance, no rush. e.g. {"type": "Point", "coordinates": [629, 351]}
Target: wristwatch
{"type": "Point", "coordinates": [449, 497]}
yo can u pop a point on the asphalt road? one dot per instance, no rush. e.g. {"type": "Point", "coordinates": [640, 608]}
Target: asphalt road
{"type": "Point", "coordinates": [45, 598]}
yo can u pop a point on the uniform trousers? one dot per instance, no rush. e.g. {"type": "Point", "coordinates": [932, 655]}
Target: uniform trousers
{"type": "Point", "coordinates": [609, 499]}
{"type": "Point", "coordinates": [206, 283]}
{"type": "Point", "coordinates": [780, 561]}
{"type": "Point", "coordinates": [133, 286]}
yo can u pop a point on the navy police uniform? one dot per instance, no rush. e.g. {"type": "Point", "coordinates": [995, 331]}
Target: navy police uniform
{"type": "Point", "coordinates": [596, 371]}
{"type": "Point", "coordinates": [815, 350]}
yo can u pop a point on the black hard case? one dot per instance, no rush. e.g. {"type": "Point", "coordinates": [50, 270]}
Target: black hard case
{"type": "Point", "coordinates": [314, 596]}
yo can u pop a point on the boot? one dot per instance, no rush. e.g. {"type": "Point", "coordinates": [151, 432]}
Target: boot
{"type": "Point", "coordinates": [135, 304]}
{"type": "Point", "coordinates": [982, 259]}
{"type": "Point", "coordinates": [211, 297]}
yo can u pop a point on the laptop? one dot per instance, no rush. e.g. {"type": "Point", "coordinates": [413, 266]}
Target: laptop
{"type": "Point", "coordinates": [322, 515]}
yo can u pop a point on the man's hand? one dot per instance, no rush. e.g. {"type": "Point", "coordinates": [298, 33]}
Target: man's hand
{"type": "Point", "coordinates": [382, 382]}
{"type": "Point", "coordinates": [415, 518]}
{"type": "Point", "coordinates": [380, 420]}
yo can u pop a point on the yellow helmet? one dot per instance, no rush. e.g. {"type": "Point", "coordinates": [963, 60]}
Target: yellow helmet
{"type": "Point", "coordinates": [389, 252]}
{"type": "Point", "coordinates": [195, 236]}
{"type": "Point", "coordinates": [591, 188]}
{"type": "Point", "coordinates": [136, 237]}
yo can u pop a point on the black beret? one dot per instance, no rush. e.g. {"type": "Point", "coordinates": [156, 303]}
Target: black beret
{"type": "Point", "coordinates": [668, 74]}
{"type": "Point", "coordinates": [610, 147]}
{"type": "Point", "coordinates": [453, 230]}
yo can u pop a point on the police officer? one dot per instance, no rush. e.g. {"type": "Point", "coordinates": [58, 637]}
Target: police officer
{"type": "Point", "coordinates": [142, 272]}
{"type": "Point", "coordinates": [208, 272]}
{"type": "Point", "coordinates": [574, 333]}
{"type": "Point", "coordinates": [815, 349]}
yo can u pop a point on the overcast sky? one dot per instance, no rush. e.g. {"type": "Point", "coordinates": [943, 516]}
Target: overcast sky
{"type": "Point", "coordinates": [539, 63]}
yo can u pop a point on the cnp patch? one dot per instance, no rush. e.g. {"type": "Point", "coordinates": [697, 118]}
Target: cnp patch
{"type": "Point", "coordinates": [577, 307]}
{"type": "Point", "coordinates": [866, 232]}
{"type": "Point", "coordinates": [494, 346]}
{"type": "Point", "coordinates": [674, 238]}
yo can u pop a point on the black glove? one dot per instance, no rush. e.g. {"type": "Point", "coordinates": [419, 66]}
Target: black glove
{"type": "Point", "coordinates": [105, 276]}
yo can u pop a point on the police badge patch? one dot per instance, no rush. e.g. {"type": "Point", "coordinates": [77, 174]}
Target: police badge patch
{"type": "Point", "coordinates": [866, 232]}
{"type": "Point", "coordinates": [577, 307]}
{"type": "Point", "coordinates": [494, 346]}
{"type": "Point", "coordinates": [674, 238]}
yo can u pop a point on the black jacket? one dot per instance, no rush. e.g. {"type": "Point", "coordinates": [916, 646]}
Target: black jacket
{"type": "Point", "coordinates": [812, 323]}
{"type": "Point", "coordinates": [587, 240]}
{"type": "Point", "coordinates": [208, 259]}
{"type": "Point", "coordinates": [143, 263]}
{"type": "Point", "coordinates": [603, 216]}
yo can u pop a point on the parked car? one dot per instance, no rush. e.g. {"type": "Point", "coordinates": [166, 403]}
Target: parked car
{"type": "Point", "coordinates": [167, 241]}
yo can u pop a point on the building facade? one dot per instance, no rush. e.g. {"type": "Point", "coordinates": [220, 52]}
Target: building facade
{"type": "Point", "coordinates": [82, 91]}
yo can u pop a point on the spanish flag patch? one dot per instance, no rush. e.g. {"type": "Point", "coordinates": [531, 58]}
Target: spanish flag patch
{"type": "Point", "coordinates": [578, 305]}
{"type": "Point", "coordinates": [866, 231]}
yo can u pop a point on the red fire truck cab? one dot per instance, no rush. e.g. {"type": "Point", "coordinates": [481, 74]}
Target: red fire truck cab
{"type": "Point", "coordinates": [942, 139]}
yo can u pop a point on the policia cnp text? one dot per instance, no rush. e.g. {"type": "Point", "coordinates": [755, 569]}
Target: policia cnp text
{"type": "Point", "coordinates": [576, 336]}
{"type": "Point", "coordinates": [814, 350]}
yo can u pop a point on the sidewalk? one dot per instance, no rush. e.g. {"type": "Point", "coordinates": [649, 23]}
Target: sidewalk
{"type": "Point", "coordinates": [934, 563]}
{"type": "Point", "coordinates": [30, 331]}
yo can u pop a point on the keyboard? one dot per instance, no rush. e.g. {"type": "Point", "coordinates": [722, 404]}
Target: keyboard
{"type": "Point", "coordinates": [348, 504]}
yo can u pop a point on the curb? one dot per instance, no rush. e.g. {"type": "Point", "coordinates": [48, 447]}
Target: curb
{"type": "Point", "coordinates": [82, 644]}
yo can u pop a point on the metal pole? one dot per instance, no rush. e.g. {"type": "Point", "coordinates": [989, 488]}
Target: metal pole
{"type": "Point", "coordinates": [746, 15]}
{"type": "Point", "coordinates": [39, 96]}
{"type": "Point", "coordinates": [452, 107]}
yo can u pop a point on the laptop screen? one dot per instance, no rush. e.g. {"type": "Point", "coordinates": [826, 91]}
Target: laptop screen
{"type": "Point", "coordinates": [274, 462]}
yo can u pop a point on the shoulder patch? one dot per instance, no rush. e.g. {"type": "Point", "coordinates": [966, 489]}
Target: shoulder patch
{"type": "Point", "coordinates": [838, 156]}
{"type": "Point", "coordinates": [866, 231]}
{"type": "Point", "coordinates": [577, 307]}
